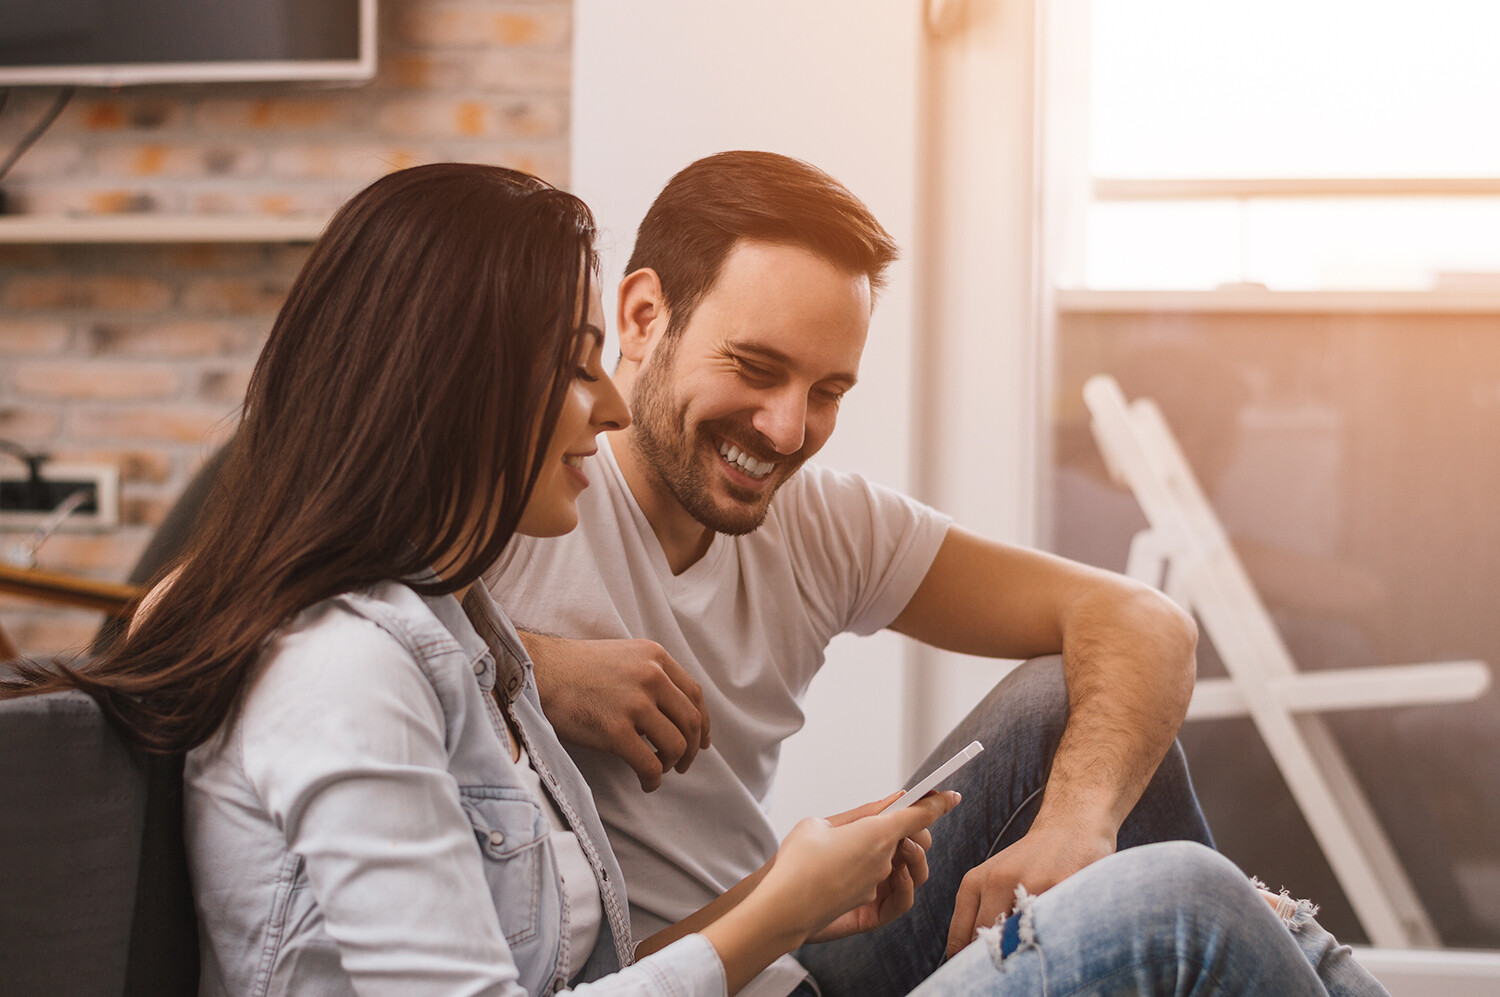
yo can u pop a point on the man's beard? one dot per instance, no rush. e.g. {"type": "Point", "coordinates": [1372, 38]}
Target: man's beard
{"type": "Point", "coordinates": [660, 440]}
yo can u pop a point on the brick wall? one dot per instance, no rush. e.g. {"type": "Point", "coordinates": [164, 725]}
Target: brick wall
{"type": "Point", "coordinates": [138, 354]}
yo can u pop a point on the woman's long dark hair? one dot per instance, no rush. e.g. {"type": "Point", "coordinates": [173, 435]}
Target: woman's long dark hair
{"type": "Point", "coordinates": [397, 417]}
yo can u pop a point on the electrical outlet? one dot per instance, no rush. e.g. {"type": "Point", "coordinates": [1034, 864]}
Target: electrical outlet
{"type": "Point", "coordinates": [20, 509]}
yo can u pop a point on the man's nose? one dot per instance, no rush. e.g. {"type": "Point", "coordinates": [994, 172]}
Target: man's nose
{"type": "Point", "coordinates": [782, 420]}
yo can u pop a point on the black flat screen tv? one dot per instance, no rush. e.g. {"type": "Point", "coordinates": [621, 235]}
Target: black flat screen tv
{"type": "Point", "coordinates": [114, 43]}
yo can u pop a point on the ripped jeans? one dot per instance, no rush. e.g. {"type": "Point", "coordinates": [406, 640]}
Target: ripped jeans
{"type": "Point", "coordinates": [1020, 722]}
{"type": "Point", "coordinates": [1146, 913]}
{"type": "Point", "coordinates": [1166, 919]}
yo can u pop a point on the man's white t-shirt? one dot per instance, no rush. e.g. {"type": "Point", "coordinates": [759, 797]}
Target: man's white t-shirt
{"type": "Point", "coordinates": [750, 621]}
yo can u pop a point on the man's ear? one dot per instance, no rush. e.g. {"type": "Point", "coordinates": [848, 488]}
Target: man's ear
{"type": "Point", "coordinates": [643, 314]}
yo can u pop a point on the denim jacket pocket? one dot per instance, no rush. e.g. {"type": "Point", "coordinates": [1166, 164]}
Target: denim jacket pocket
{"type": "Point", "coordinates": [511, 831]}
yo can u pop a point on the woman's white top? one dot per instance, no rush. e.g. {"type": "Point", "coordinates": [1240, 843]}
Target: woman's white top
{"type": "Point", "coordinates": [579, 889]}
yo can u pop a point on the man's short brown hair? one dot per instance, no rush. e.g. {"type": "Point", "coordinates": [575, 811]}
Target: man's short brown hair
{"type": "Point", "coordinates": [711, 205]}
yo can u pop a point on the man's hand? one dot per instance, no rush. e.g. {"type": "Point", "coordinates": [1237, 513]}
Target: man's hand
{"type": "Point", "coordinates": [611, 694]}
{"type": "Point", "coordinates": [1039, 861]}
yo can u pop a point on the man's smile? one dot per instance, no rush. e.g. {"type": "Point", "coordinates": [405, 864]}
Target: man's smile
{"type": "Point", "coordinates": [743, 462]}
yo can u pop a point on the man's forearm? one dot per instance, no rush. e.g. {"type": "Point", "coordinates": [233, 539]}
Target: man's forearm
{"type": "Point", "coordinates": [1128, 659]}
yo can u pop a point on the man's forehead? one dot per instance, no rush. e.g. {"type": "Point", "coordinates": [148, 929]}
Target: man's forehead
{"type": "Point", "coordinates": [788, 305]}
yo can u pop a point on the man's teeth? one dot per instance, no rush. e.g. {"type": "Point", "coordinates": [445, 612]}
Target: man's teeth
{"type": "Point", "coordinates": [745, 462]}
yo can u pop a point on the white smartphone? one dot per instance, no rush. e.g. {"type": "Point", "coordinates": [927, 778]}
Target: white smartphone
{"type": "Point", "coordinates": [940, 773]}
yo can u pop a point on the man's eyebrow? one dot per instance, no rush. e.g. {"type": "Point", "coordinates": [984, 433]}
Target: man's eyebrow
{"type": "Point", "coordinates": [777, 356]}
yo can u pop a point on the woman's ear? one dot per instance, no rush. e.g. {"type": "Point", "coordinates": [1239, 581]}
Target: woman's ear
{"type": "Point", "coordinates": [643, 314]}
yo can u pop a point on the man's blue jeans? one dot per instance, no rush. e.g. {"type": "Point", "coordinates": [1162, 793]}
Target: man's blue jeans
{"type": "Point", "coordinates": [1165, 919]}
{"type": "Point", "coordinates": [1020, 723]}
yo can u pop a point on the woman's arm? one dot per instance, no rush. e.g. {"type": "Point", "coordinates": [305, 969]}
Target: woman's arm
{"type": "Point", "coordinates": [703, 916]}
{"type": "Point", "coordinates": [343, 742]}
{"type": "Point", "coordinates": [859, 869]}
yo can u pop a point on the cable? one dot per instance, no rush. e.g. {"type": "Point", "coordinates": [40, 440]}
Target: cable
{"type": "Point", "coordinates": [29, 139]}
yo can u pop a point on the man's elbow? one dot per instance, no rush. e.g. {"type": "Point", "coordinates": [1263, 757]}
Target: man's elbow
{"type": "Point", "coordinates": [1175, 634]}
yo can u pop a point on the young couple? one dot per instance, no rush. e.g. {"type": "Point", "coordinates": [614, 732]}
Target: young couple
{"type": "Point", "coordinates": [377, 802]}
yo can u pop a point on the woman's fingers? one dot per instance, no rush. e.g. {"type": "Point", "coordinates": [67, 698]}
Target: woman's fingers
{"type": "Point", "coordinates": [863, 810]}
{"type": "Point", "coordinates": [902, 892]}
{"type": "Point", "coordinates": [922, 814]}
{"type": "Point", "coordinates": [912, 858]}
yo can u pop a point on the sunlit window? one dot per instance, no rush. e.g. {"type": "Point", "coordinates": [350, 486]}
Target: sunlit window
{"type": "Point", "coordinates": [1300, 145]}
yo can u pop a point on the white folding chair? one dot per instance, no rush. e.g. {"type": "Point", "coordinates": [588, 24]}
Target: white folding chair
{"type": "Point", "coordinates": [1186, 552]}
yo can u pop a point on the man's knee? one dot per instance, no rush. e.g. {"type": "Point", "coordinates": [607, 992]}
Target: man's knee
{"type": "Point", "coordinates": [1152, 887]}
{"type": "Point", "coordinates": [1033, 695]}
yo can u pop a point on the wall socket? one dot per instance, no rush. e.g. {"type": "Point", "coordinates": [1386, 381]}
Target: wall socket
{"type": "Point", "coordinates": [19, 509]}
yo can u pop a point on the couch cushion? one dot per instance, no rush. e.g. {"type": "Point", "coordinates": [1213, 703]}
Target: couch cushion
{"type": "Point", "coordinates": [72, 805]}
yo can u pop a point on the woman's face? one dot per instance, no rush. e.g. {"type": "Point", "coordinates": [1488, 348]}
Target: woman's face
{"type": "Point", "coordinates": [591, 405]}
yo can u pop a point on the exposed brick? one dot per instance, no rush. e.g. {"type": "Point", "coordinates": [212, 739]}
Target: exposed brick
{"type": "Point", "coordinates": [169, 339]}
{"type": "Point", "coordinates": [489, 118]}
{"type": "Point", "coordinates": [20, 338]}
{"type": "Point", "coordinates": [145, 510]}
{"type": "Point", "coordinates": [101, 555]}
{"type": "Point", "coordinates": [137, 466]}
{"type": "Point", "coordinates": [278, 114]}
{"type": "Point", "coordinates": [30, 425]}
{"type": "Point", "coordinates": [358, 162]}
{"type": "Point", "coordinates": [478, 25]}
{"type": "Point", "coordinates": [77, 381]}
{"type": "Point", "coordinates": [470, 80]}
{"type": "Point", "coordinates": [220, 257]}
{"type": "Point", "coordinates": [126, 112]}
{"type": "Point", "coordinates": [217, 160]}
{"type": "Point", "coordinates": [32, 257]}
{"type": "Point", "coordinates": [425, 71]}
{"type": "Point", "coordinates": [176, 423]}
{"type": "Point", "coordinates": [524, 72]}
{"type": "Point", "coordinates": [537, 159]}
{"type": "Point", "coordinates": [55, 633]}
{"type": "Point", "coordinates": [47, 161]}
{"type": "Point", "coordinates": [107, 199]}
{"type": "Point", "coordinates": [288, 259]}
{"type": "Point", "coordinates": [237, 295]}
{"type": "Point", "coordinates": [101, 292]}
{"type": "Point", "coordinates": [276, 201]}
{"type": "Point", "coordinates": [225, 384]}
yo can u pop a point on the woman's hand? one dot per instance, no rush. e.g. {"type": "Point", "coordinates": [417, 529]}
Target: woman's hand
{"type": "Point", "coordinates": [895, 894]}
{"type": "Point", "coordinates": [832, 876]}
{"type": "Point", "coordinates": [857, 870]}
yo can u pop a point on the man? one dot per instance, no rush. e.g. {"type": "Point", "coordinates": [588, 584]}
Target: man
{"type": "Point", "coordinates": [742, 319]}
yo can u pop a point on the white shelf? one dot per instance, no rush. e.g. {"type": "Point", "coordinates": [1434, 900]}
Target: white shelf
{"type": "Point", "coordinates": [1233, 300]}
{"type": "Point", "coordinates": [157, 228]}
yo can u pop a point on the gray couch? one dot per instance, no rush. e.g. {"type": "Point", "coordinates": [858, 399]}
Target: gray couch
{"type": "Point", "coordinates": [94, 896]}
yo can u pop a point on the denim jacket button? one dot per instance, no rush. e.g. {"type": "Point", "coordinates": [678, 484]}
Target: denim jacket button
{"type": "Point", "coordinates": [479, 667]}
{"type": "Point", "coordinates": [497, 838]}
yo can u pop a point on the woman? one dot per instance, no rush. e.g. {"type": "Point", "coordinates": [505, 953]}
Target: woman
{"type": "Point", "coordinates": [374, 801]}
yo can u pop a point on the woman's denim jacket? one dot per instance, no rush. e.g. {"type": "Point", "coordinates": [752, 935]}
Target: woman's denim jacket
{"type": "Point", "coordinates": [360, 825]}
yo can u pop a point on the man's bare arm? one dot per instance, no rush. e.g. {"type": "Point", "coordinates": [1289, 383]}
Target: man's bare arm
{"type": "Point", "coordinates": [1128, 658]}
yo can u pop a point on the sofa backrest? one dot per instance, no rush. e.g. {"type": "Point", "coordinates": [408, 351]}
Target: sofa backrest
{"type": "Point", "coordinates": [94, 896]}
